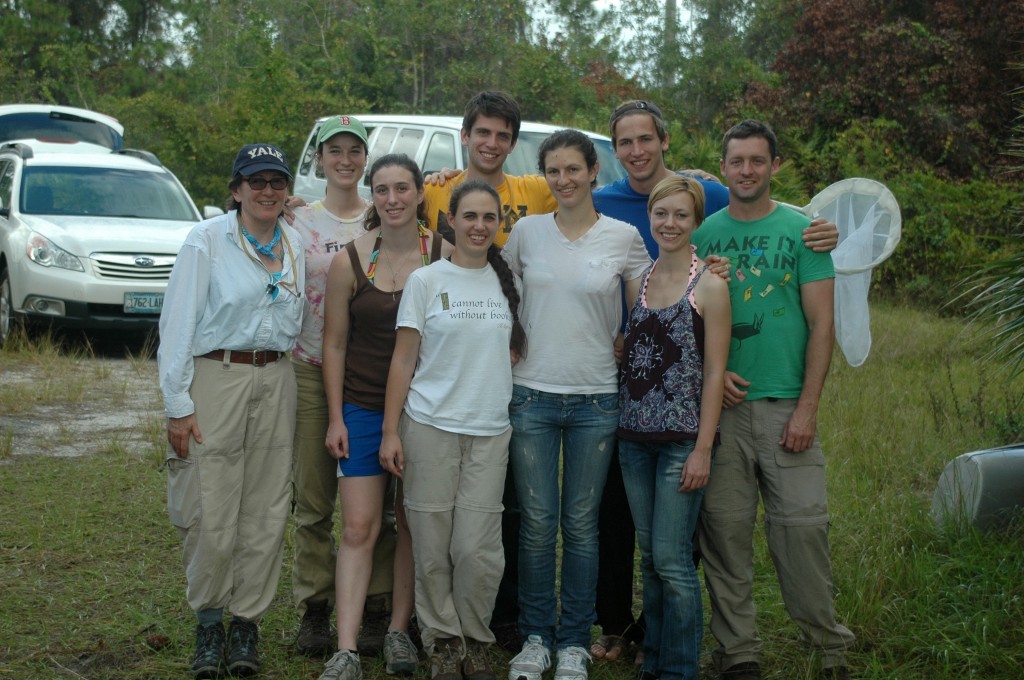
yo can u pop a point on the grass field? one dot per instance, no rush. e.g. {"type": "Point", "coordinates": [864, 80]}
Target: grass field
{"type": "Point", "coordinates": [91, 585]}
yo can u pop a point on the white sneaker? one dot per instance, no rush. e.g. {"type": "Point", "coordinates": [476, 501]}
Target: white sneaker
{"type": "Point", "coordinates": [343, 666]}
{"type": "Point", "coordinates": [531, 663]}
{"type": "Point", "coordinates": [572, 664]}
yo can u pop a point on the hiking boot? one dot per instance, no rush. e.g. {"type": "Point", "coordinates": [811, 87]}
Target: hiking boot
{"type": "Point", "coordinates": [444, 664]}
{"type": "Point", "coordinates": [243, 652]}
{"type": "Point", "coordinates": [746, 670]}
{"type": "Point", "coordinates": [376, 617]}
{"type": "Point", "coordinates": [400, 656]}
{"type": "Point", "coordinates": [314, 637]}
{"type": "Point", "coordinates": [343, 666]}
{"type": "Point", "coordinates": [476, 665]}
{"type": "Point", "coordinates": [530, 663]}
{"type": "Point", "coordinates": [572, 664]}
{"type": "Point", "coordinates": [209, 656]}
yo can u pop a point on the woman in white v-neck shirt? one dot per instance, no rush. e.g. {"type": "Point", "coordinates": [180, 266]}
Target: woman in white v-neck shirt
{"type": "Point", "coordinates": [564, 409]}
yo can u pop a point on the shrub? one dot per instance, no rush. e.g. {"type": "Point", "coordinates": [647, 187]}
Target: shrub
{"type": "Point", "coordinates": [949, 229]}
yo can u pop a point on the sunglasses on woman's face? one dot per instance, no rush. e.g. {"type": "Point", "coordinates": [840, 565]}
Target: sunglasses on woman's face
{"type": "Point", "coordinates": [260, 183]}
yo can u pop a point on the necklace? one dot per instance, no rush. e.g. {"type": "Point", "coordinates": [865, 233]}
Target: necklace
{"type": "Point", "coordinates": [394, 274]}
{"type": "Point", "coordinates": [268, 249]}
{"type": "Point", "coordinates": [371, 269]}
{"type": "Point", "coordinates": [276, 280]}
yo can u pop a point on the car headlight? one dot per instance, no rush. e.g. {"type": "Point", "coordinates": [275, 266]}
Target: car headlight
{"type": "Point", "coordinates": [43, 251]}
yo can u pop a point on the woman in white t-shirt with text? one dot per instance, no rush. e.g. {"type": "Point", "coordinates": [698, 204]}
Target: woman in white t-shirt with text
{"type": "Point", "coordinates": [446, 430]}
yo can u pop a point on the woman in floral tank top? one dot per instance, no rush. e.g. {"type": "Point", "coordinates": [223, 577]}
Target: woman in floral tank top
{"type": "Point", "coordinates": [677, 342]}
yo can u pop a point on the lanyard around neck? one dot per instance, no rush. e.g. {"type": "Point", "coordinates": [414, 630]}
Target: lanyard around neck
{"type": "Point", "coordinates": [424, 236]}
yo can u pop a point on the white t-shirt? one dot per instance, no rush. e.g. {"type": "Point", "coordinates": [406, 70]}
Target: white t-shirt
{"type": "Point", "coordinates": [323, 235]}
{"type": "Point", "coordinates": [463, 380]}
{"type": "Point", "coordinates": [572, 301]}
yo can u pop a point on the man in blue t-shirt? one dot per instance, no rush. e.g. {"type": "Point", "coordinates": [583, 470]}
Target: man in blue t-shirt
{"type": "Point", "coordinates": [640, 140]}
{"type": "Point", "coordinates": [782, 336]}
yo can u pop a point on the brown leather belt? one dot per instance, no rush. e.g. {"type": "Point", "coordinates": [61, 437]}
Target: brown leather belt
{"type": "Point", "coordinates": [254, 357]}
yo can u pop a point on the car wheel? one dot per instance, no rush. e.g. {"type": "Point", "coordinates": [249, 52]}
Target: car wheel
{"type": "Point", "coordinates": [7, 323]}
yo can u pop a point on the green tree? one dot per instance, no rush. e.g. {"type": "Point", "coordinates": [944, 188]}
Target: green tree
{"type": "Point", "coordinates": [718, 69]}
{"type": "Point", "coordinates": [935, 67]}
{"type": "Point", "coordinates": [995, 293]}
{"type": "Point", "coordinates": [45, 56]}
{"type": "Point", "coordinates": [585, 78]}
{"type": "Point", "coordinates": [769, 25]}
{"type": "Point", "coordinates": [696, 57]}
{"type": "Point", "coordinates": [639, 28]}
{"type": "Point", "coordinates": [72, 51]}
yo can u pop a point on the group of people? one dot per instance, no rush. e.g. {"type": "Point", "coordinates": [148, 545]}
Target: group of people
{"type": "Point", "coordinates": [491, 394]}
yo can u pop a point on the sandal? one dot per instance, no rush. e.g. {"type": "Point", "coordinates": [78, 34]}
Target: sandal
{"type": "Point", "coordinates": [609, 647]}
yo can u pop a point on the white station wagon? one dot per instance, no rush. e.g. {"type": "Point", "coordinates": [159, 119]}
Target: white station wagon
{"type": "Point", "coordinates": [87, 240]}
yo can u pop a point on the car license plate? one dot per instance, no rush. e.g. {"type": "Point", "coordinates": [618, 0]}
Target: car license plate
{"type": "Point", "coordinates": [143, 303]}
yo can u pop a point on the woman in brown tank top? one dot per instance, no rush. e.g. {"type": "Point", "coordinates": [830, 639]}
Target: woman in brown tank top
{"type": "Point", "coordinates": [364, 287]}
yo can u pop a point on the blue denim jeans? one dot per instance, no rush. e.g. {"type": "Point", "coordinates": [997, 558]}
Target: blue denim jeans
{"type": "Point", "coordinates": [665, 521]}
{"type": "Point", "coordinates": [577, 430]}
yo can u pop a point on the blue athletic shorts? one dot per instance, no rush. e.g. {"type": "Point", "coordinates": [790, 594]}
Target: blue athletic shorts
{"type": "Point", "coordinates": [365, 428]}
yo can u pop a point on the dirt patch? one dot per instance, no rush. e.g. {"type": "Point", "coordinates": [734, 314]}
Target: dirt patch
{"type": "Point", "coordinates": [79, 408]}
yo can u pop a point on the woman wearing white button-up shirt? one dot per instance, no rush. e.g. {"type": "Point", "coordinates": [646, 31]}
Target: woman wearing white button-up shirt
{"type": "Point", "coordinates": [233, 308]}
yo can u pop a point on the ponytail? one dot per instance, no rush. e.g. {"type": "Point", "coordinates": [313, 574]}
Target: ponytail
{"type": "Point", "coordinates": [508, 286]}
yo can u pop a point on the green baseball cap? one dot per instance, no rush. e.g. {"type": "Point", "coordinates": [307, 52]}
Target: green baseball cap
{"type": "Point", "coordinates": [338, 124]}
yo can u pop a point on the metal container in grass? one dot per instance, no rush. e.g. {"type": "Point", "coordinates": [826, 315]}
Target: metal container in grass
{"type": "Point", "coordinates": [982, 488]}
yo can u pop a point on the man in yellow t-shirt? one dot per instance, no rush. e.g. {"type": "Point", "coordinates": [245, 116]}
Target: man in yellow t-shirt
{"type": "Point", "coordinates": [490, 129]}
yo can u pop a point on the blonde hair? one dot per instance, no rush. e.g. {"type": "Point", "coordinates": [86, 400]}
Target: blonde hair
{"type": "Point", "coordinates": [677, 184]}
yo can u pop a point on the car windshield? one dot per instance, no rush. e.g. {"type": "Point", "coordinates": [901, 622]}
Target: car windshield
{"type": "Point", "coordinates": [523, 159]}
{"type": "Point", "coordinates": [58, 127]}
{"type": "Point", "coordinates": [105, 192]}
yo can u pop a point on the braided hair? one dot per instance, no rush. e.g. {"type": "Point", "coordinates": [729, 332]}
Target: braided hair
{"type": "Point", "coordinates": [505, 276]}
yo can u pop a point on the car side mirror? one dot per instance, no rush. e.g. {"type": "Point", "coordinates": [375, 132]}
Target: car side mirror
{"type": "Point", "coordinates": [211, 211]}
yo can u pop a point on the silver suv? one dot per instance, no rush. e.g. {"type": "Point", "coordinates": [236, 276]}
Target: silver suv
{"type": "Point", "coordinates": [434, 143]}
{"type": "Point", "coordinates": [87, 240]}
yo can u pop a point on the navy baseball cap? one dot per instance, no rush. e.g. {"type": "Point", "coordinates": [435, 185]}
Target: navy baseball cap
{"type": "Point", "coordinates": [253, 158]}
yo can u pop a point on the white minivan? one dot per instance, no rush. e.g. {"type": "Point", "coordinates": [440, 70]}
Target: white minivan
{"type": "Point", "coordinates": [433, 142]}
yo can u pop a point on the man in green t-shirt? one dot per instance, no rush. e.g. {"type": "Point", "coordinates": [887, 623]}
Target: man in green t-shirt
{"type": "Point", "coordinates": [782, 337]}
